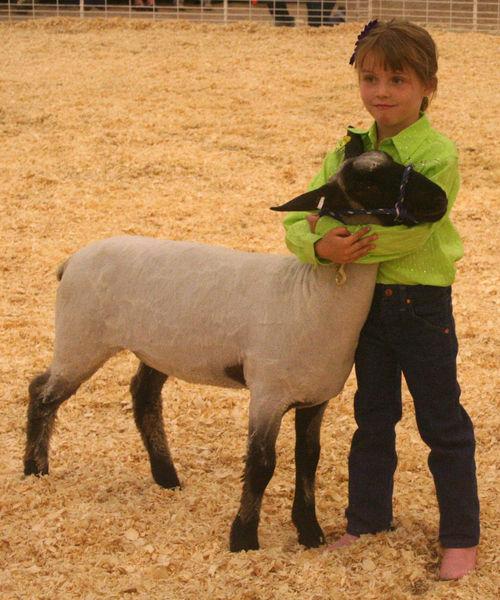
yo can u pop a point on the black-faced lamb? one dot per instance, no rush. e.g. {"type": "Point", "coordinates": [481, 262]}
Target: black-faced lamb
{"type": "Point", "coordinates": [217, 316]}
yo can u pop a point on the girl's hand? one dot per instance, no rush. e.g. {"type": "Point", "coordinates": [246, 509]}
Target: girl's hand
{"type": "Point", "coordinates": [340, 246]}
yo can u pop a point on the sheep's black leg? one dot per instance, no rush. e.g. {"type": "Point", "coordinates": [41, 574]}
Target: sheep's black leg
{"type": "Point", "coordinates": [146, 388]}
{"type": "Point", "coordinates": [307, 450]}
{"type": "Point", "coordinates": [259, 468]}
{"type": "Point", "coordinates": [47, 393]}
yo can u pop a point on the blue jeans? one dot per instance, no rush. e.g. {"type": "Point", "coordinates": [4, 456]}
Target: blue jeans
{"type": "Point", "coordinates": [411, 330]}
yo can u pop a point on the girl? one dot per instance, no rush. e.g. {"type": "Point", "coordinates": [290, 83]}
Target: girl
{"type": "Point", "coordinates": [410, 328]}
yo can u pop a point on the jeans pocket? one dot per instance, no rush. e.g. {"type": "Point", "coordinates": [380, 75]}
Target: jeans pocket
{"type": "Point", "coordinates": [433, 311]}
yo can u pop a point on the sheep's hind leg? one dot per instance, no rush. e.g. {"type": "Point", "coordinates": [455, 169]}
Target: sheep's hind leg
{"type": "Point", "coordinates": [146, 388]}
{"type": "Point", "coordinates": [307, 451]}
{"type": "Point", "coordinates": [47, 393]}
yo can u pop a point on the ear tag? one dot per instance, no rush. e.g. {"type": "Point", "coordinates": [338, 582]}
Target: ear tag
{"type": "Point", "coordinates": [342, 143]}
{"type": "Point", "coordinates": [321, 203]}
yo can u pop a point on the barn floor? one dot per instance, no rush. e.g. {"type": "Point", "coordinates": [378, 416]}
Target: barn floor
{"type": "Point", "coordinates": [185, 131]}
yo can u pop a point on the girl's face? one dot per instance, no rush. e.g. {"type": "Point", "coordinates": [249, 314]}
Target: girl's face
{"type": "Point", "coordinates": [393, 98]}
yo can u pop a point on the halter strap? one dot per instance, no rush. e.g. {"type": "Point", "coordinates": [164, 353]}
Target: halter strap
{"type": "Point", "coordinates": [400, 208]}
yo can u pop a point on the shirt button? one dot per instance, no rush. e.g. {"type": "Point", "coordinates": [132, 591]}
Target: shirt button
{"type": "Point", "coordinates": [388, 292]}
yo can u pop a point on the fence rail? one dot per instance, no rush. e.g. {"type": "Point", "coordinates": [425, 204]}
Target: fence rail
{"type": "Point", "coordinates": [471, 15]}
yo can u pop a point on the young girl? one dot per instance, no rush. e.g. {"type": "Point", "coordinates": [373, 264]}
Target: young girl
{"type": "Point", "coordinates": [410, 328]}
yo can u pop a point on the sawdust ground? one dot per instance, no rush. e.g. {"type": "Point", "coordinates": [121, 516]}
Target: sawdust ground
{"type": "Point", "coordinates": [190, 131]}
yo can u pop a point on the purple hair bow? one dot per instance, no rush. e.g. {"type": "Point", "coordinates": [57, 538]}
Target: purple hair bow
{"type": "Point", "coordinates": [368, 27]}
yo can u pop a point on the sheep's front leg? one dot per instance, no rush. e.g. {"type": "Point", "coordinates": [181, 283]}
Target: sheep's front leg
{"type": "Point", "coordinates": [307, 451]}
{"type": "Point", "coordinates": [146, 388]}
{"type": "Point", "coordinates": [259, 468]}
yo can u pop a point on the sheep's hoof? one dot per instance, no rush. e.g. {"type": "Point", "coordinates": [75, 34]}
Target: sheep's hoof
{"type": "Point", "coordinates": [243, 537]}
{"type": "Point", "coordinates": [312, 538]}
{"type": "Point", "coordinates": [164, 476]}
{"type": "Point", "coordinates": [31, 468]}
{"type": "Point", "coordinates": [310, 533]}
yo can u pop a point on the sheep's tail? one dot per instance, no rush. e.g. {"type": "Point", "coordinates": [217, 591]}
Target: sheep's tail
{"type": "Point", "coordinates": [60, 269]}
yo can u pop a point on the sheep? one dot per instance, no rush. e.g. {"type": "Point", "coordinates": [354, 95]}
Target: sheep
{"type": "Point", "coordinates": [218, 316]}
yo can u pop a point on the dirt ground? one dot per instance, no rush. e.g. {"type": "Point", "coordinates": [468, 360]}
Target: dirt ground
{"type": "Point", "coordinates": [191, 132]}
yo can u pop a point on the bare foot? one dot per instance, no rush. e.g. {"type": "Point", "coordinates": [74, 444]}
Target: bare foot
{"type": "Point", "coordinates": [346, 540]}
{"type": "Point", "coordinates": [457, 562]}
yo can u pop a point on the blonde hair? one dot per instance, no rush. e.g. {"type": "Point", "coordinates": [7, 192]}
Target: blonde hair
{"type": "Point", "coordinates": [399, 45]}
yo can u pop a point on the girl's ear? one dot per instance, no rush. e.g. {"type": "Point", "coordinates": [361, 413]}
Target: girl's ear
{"type": "Point", "coordinates": [431, 87]}
{"type": "Point", "coordinates": [429, 91]}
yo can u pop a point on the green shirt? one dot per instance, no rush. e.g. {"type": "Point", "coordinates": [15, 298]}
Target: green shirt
{"type": "Point", "coordinates": [424, 254]}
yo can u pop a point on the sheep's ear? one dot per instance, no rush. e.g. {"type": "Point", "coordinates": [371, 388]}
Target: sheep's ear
{"type": "Point", "coordinates": [354, 146]}
{"type": "Point", "coordinates": [308, 201]}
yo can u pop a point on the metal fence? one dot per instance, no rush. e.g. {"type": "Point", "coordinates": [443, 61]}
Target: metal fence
{"type": "Point", "coordinates": [470, 15]}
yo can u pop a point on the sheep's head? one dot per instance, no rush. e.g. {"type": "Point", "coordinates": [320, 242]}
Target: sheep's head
{"type": "Point", "coordinates": [372, 180]}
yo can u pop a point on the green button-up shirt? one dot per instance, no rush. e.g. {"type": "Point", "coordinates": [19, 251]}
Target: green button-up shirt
{"type": "Point", "coordinates": [424, 254]}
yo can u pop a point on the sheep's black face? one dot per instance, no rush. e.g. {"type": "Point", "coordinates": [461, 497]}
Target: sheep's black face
{"type": "Point", "coordinates": [369, 180]}
{"type": "Point", "coordinates": [373, 180]}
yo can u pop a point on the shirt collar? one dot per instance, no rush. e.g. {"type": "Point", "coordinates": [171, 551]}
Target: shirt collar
{"type": "Point", "coordinates": [406, 142]}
